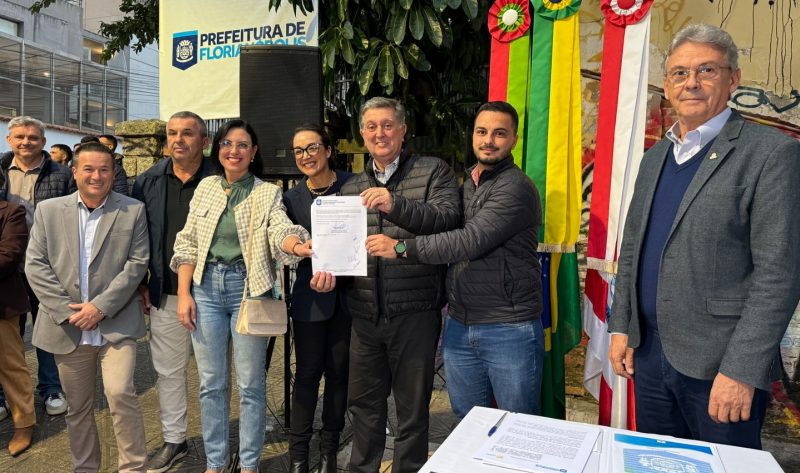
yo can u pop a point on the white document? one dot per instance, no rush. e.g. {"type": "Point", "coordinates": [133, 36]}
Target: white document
{"type": "Point", "coordinates": [640, 454]}
{"type": "Point", "coordinates": [538, 444]}
{"type": "Point", "coordinates": [339, 231]}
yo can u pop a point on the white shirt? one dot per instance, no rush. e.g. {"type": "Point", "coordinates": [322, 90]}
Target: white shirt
{"type": "Point", "coordinates": [87, 228]}
{"type": "Point", "coordinates": [696, 139]}
{"type": "Point", "coordinates": [383, 176]}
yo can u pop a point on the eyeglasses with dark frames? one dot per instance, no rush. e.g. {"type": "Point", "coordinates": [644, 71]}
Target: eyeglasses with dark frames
{"type": "Point", "coordinates": [312, 150]}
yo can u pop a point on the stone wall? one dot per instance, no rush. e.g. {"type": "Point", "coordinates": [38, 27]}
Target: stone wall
{"type": "Point", "coordinates": [142, 142]}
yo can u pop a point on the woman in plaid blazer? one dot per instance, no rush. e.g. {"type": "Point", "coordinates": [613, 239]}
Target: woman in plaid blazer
{"type": "Point", "coordinates": [214, 253]}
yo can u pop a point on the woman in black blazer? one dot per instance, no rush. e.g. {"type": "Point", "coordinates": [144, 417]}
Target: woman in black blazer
{"type": "Point", "coordinates": [320, 326]}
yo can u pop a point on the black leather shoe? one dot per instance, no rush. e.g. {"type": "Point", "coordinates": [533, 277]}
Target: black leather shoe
{"type": "Point", "coordinates": [166, 457]}
{"type": "Point", "coordinates": [327, 463]}
{"type": "Point", "coordinates": [299, 466]}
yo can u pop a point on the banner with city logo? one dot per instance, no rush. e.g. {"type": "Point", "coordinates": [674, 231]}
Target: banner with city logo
{"type": "Point", "coordinates": [199, 49]}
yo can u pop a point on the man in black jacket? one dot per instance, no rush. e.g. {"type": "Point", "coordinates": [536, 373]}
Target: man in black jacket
{"type": "Point", "coordinates": [493, 339]}
{"type": "Point", "coordinates": [30, 176]}
{"type": "Point", "coordinates": [166, 189]}
{"type": "Point", "coordinates": [396, 307]}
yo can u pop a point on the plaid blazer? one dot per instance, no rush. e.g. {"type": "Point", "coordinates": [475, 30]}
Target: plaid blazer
{"type": "Point", "coordinates": [270, 227]}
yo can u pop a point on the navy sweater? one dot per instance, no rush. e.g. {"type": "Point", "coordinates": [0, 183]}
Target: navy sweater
{"type": "Point", "coordinates": [672, 184]}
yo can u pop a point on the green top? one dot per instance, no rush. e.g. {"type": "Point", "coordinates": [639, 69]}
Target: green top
{"type": "Point", "coordinates": [225, 246]}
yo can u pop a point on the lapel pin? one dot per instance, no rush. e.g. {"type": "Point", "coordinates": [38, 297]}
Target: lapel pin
{"type": "Point", "coordinates": [713, 156]}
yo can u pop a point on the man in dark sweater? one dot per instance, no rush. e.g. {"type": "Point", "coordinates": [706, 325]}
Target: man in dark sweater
{"type": "Point", "coordinates": [706, 283]}
{"type": "Point", "coordinates": [493, 338]}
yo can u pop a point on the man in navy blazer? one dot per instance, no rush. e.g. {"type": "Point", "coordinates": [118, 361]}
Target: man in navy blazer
{"type": "Point", "coordinates": [705, 287]}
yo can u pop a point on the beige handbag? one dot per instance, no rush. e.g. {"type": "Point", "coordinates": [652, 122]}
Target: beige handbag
{"type": "Point", "coordinates": [261, 316]}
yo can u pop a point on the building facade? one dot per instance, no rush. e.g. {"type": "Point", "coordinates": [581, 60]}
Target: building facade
{"type": "Point", "coordinates": [51, 68]}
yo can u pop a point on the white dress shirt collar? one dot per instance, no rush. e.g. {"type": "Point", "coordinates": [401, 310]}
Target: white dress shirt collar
{"type": "Point", "coordinates": [696, 139]}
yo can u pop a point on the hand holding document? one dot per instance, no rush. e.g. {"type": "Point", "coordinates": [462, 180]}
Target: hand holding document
{"type": "Point", "coordinates": [339, 231]}
{"type": "Point", "coordinates": [538, 444]}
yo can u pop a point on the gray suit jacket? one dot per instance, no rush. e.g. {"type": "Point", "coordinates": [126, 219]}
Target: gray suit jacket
{"type": "Point", "coordinates": [728, 282]}
{"type": "Point", "coordinates": [118, 264]}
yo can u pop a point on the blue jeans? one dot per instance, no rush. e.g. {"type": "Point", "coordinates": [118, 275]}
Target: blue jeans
{"type": "Point", "coordinates": [503, 361]}
{"type": "Point", "coordinates": [218, 299]}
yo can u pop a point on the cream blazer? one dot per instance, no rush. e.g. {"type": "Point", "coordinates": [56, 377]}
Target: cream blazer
{"type": "Point", "coordinates": [270, 227]}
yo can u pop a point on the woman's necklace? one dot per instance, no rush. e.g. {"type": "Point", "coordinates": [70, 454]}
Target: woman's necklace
{"type": "Point", "coordinates": [323, 191]}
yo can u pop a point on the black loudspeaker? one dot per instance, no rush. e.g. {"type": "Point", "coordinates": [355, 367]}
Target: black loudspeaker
{"type": "Point", "coordinates": [280, 88]}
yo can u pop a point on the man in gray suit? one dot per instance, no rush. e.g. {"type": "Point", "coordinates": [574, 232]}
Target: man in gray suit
{"type": "Point", "coordinates": [706, 284]}
{"type": "Point", "coordinates": [87, 254]}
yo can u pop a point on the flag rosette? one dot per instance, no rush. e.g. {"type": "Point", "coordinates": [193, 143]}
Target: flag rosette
{"type": "Point", "coordinates": [509, 19]}
{"type": "Point", "coordinates": [625, 12]}
{"type": "Point", "coordinates": [556, 9]}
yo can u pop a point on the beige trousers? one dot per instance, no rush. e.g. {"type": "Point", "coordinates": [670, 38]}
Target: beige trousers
{"type": "Point", "coordinates": [14, 375]}
{"type": "Point", "coordinates": [170, 346]}
{"type": "Point", "coordinates": [78, 371]}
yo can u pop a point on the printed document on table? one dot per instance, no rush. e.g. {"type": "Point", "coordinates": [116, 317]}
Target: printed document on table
{"type": "Point", "coordinates": [644, 454]}
{"type": "Point", "coordinates": [538, 444]}
{"type": "Point", "coordinates": [339, 234]}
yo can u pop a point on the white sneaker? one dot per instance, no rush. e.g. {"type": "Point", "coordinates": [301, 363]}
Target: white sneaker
{"type": "Point", "coordinates": [55, 404]}
{"type": "Point", "coordinates": [5, 411]}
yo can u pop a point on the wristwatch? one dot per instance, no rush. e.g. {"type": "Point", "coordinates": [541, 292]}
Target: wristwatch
{"type": "Point", "coordinates": [400, 249]}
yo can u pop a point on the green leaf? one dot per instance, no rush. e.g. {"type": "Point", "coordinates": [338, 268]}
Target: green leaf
{"type": "Point", "coordinates": [439, 5]}
{"type": "Point", "coordinates": [347, 50]}
{"type": "Point", "coordinates": [367, 73]}
{"type": "Point", "coordinates": [470, 8]}
{"type": "Point", "coordinates": [397, 27]}
{"type": "Point", "coordinates": [416, 23]}
{"type": "Point", "coordinates": [432, 26]}
{"type": "Point", "coordinates": [341, 9]}
{"type": "Point", "coordinates": [361, 40]}
{"type": "Point", "coordinates": [328, 54]}
{"type": "Point", "coordinates": [417, 58]}
{"type": "Point", "coordinates": [454, 4]}
{"type": "Point", "coordinates": [406, 4]}
{"type": "Point", "coordinates": [385, 67]}
{"type": "Point", "coordinates": [399, 62]}
{"type": "Point", "coordinates": [347, 30]}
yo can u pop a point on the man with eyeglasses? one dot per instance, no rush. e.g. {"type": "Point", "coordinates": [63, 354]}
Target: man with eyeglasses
{"type": "Point", "coordinates": [396, 308]}
{"type": "Point", "coordinates": [166, 190]}
{"type": "Point", "coordinates": [705, 286]}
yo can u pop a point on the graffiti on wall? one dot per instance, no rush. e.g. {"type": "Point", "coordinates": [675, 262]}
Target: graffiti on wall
{"type": "Point", "coordinates": [750, 97]}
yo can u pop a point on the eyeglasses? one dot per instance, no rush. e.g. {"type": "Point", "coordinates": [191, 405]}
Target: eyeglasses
{"type": "Point", "coordinates": [373, 127]}
{"type": "Point", "coordinates": [240, 146]}
{"type": "Point", "coordinates": [703, 73]}
{"type": "Point", "coordinates": [311, 149]}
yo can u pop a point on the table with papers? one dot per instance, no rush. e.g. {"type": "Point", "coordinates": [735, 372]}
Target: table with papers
{"type": "Point", "coordinates": [534, 444]}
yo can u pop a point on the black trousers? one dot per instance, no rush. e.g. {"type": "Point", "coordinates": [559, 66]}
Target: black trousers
{"type": "Point", "coordinates": [320, 348]}
{"type": "Point", "coordinates": [392, 356]}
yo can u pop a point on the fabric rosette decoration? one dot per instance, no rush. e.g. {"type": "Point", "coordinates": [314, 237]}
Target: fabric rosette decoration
{"type": "Point", "coordinates": [556, 9]}
{"type": "Point", "coordinates": [509, 19]}
{"type": "Point", "coordinates": [625, 12]}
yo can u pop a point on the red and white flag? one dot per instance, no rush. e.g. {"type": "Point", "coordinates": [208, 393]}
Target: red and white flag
{"type": "Point", "coordinates": [620, 145]}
